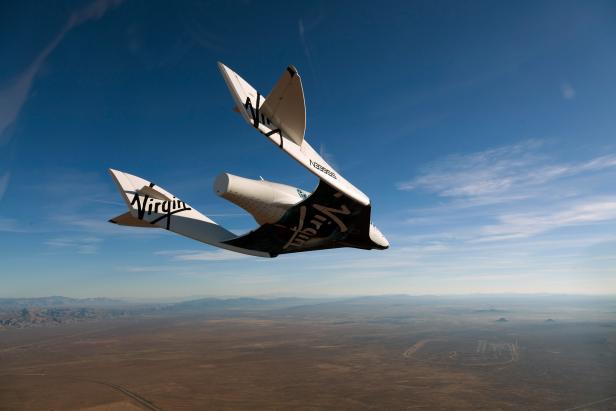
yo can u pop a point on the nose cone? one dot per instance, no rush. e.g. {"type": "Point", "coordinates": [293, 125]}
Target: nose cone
{"type": "Point", "coordinates": [378, 238]}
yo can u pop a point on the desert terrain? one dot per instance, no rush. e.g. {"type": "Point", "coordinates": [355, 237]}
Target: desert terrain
{"type": "Point", "coordinates": [390, 353]}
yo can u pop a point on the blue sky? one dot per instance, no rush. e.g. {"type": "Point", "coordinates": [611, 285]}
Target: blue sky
{"type": "Point", "coordinates": [484, 133]}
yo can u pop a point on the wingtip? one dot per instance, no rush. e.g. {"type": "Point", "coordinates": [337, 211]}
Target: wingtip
{"type": "Point", "coordinates": [222, 67]}
{"type": "Point", "coordinates": [113, 171]}
{"type": "Point", "coordinates": [292, 70]}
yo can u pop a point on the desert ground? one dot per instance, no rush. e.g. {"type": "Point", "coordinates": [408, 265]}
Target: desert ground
{"type": "Point", "coordinates": [389, 353]}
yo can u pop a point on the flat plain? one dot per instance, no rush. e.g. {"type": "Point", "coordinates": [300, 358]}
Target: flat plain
{"type": "Point", "coordinates": [390, 353]}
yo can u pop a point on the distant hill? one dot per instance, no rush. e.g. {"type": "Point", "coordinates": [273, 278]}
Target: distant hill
{"type": "Point", "coordinates": [26, 317]}
{"type": "Point", "coordinates": [55, 301]}
{"type": "Point", "coordinates": [490, 311]}
{"type": "Point", "coordinates": [246, 303]}
{"type": "Point", "coordinates": [56, 310]}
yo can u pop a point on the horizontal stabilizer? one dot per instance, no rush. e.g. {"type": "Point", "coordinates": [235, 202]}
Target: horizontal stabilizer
{"type": "Point", "coordinates": [128, 219]}
{"type": "Point", "coordinates": [285, 105]}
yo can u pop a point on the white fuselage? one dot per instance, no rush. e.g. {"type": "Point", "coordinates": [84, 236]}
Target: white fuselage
{"type": "Point", "coordinates": [267, 202]}
{"type": "Point", "coordinates": [264, 200]}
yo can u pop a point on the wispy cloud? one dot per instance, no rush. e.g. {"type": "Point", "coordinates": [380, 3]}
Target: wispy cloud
{"type": "Point", "coordinates": [301, 31]}
{"type": "Point", "coordinates": [328, 156]}
{"type": "Point", "coordinates": [198, 255]}
{"type": "Point", "coordinates": [94, 224]}
{"type": "Point", "coordinates": [501, 174]}
{"type": "Point", "coordinates": [528, 224]}
{"type": "Point", "coordinates": [4, 183]}
{"type": "Point", "coordinates": [567, 91]}
{"type": "Point", "coordinates": [93, 11]}
{"type": "Point", "coordinates": [511, 198]}
{"type": "Point", "coordinates": [304, 26]}
{"type": "Point", "coordinates": [81, 245]}
{"type": "Point", "coordinates": [78, 201]}
{"type": "Point", "coordinates": [15, 94]}
{"type": "Point", "coordinates": [152, 269]}
{"type": "Point", "coordinates": [75, 186]}
{"type": "Point", "coordinates": [75, 202]}
{"type": "Point", "coordinates": [11, 225]}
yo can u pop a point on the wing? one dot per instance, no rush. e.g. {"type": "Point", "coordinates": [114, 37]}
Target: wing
{"type": "Point", "coordinates": [152, 206]}
{"type": "Point", "coordinates": [326, 219]}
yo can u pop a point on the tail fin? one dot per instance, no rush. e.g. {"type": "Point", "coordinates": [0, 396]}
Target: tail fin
{"type": "Point", "coordinates": [282, 119]}
{"type": "Point", "coordinates": [283, 110]}
{"type": "Point", "coordinates": [286, 106]}
{"type": "Point", "coordinates": [153, 206]}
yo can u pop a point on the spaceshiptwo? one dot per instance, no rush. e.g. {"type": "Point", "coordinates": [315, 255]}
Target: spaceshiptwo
{"type": "Point", "coordinates": [336, 214]}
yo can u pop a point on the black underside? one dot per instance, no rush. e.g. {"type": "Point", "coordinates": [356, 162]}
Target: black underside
{"type": "Point", "coordinates": [326, 219]}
